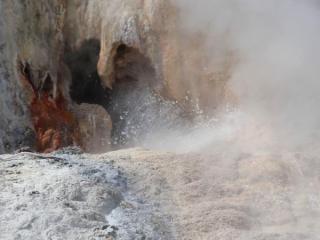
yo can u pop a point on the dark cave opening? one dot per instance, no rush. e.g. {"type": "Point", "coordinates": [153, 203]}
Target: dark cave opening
{"type": "Point", "coordinates": [86, 86]}
{"type": "Point", "coordinates": [133, 76]}
{"type": "Point", "coordinates": [134, 79]}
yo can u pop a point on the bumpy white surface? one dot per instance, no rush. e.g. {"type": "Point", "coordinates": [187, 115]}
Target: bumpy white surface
{"type": "Point", "coordinates": [69, 196]}
{"type": "Point", "coordinates": [140, 194]}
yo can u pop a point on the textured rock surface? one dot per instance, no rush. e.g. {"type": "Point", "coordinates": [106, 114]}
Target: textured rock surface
{"type": "Point", "coordinates": [42, 42]}
{"type": "Point", "coordinates": [95, 127]}
{"type": "Point", "coordinates": [33, 36]}
{"type": "Point", "coordinates": [72, 196]}
{"type": "Point", "coordinates": [140, 194]}
{"type": "Point", "coordinates": [222, 196]}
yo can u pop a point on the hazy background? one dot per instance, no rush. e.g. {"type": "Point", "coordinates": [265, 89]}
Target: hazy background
{"type": "Point", "coordinates": [275, 122]}
{"type": "Point", "coordinates": [275, 75]}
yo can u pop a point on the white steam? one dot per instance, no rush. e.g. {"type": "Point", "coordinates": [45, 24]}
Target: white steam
{"type": "Point", "coordinates": [276, 78]}
{"type": "Point", "coordinates": [276, 71]}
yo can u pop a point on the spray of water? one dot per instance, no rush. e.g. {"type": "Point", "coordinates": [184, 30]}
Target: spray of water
{"type": "Point", "coordinates": [275, 77]}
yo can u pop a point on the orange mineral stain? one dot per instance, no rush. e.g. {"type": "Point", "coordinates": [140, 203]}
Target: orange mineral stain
{"type": "Point", "coordinates": [54, 125]}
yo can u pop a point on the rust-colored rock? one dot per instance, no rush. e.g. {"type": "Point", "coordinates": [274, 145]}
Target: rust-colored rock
{"type": "Point", "coordinates": [54, 125]}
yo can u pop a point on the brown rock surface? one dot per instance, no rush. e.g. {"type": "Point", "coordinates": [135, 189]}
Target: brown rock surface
{"type": "Point", "coordinates": [75, 44]}
{"type": "Point", "coordinates": [94, 127]}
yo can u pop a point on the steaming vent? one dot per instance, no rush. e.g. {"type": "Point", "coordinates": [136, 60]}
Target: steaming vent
{"type": "Point", "coordinates": [133, 104]}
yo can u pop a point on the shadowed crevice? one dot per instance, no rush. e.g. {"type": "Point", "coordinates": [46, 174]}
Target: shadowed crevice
{"type": "Point", "coordinates": [133, 75]}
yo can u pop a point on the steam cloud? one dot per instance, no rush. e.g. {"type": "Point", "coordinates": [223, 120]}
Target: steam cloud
{"type": "Point", "coordinates": [275, 77]}
{"type": "Point", "coordinates": [277, 57]}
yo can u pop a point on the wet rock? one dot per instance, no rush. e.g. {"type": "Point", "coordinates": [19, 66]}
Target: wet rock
{"type": "Point", "coordinates": [24, 149]}
{"type": "Point", "coordinates": [95, 127]}
{"type": "Point", "coordinates": [132, 40]}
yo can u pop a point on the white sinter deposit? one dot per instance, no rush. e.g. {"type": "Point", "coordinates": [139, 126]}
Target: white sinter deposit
{"type": "Point", "coordinates": [68, 195]}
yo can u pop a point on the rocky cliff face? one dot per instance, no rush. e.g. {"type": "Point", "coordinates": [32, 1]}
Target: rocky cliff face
{"type": "Point", "coordinates": [58, 54]}
{"type": "Point", "coordinates": [32, 34]}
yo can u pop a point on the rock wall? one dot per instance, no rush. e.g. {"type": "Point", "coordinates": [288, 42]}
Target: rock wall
{"type": "Point", "coordinates": [52, 51]}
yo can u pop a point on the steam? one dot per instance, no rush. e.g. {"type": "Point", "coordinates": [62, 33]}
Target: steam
{"type": "Point", "coordinates": [275, 75]}
{"type": "Point", "coordinates": [274, 46]}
